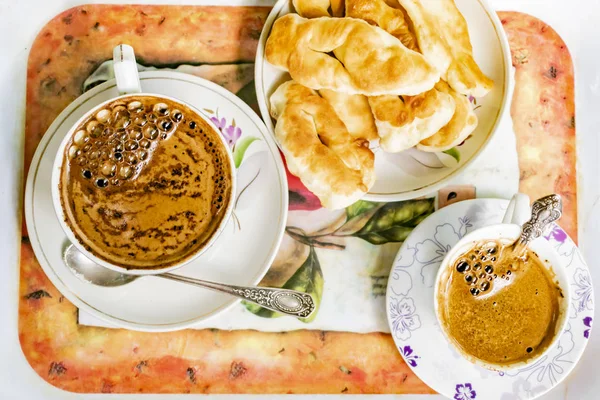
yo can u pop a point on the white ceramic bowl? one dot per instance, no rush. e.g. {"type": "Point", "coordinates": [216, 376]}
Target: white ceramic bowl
{"type": "Point", "coordinates": [394, 180]}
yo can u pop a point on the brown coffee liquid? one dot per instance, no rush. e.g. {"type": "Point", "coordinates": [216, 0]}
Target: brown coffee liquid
{"type": "Point", "coordinates": [498, 308]}
{"type": "Point", "coordinates": [145, 182]}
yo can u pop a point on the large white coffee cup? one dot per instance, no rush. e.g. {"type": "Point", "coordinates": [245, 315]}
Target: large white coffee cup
{"type": "Point", "coordinates": [128, 84]}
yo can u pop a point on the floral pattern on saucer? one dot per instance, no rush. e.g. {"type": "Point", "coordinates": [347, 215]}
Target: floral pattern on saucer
{"type": "Point", "coordinates": [413, 323]}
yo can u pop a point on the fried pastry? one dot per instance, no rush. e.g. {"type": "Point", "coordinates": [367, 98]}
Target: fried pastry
{"type": "Point", "coordinates": [319, 8]}
{"type": "Point", "coordinates": [354, 110]}
{"type": "Point", "coordinates": [368, 60]}
{"type": "Point", "coordinates": [403, 122]}
{"type": "Point", "coordinates": [318, 148]}
{"type": "Point", "coordinates": [462, 124]}
{"type": "Point", "coordinates": [443, 38]}
{"type": "Point", "coordinates": [379, 13]}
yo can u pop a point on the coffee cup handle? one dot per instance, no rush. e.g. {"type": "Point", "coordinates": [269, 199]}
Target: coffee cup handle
{"type": "Point", "coordinates": [126, 72]}
{"type": "Point", "coordinates": [518, 211]}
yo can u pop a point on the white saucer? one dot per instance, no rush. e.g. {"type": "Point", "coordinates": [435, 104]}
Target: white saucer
{"type": "Point", "coordinates": [242, 254]}
{"type": "Point", "coordinates": [413, 173]}
{"type": "Point", "coordinates": [417, 335]}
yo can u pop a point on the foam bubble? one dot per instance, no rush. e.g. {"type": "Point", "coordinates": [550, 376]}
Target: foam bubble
{"type": "Point", "coordinates": [161, 109]}
{"type": "Point", "coordinates": [166, 125]}
{"type": "Point", "coordinates": [108, 131]}
{"type": "Point", "coordinates": [150, 132]}
{"type": "Point", "coordinates": [135, 107]}
{"type": "Point", "coordinates": [135, 134]}
{"type": "Point", "coordinates": [73, 152]}
{"type": "Point", "coordinates": [103, 116]}
{"type": "Point", "coordinates": [140, 120]}
{"type": "Point", "coordinates": [131, 145]}
{"type": "Point", "coordinates": [121, 117]}
{"type": "Point", "coordinates": [109, 169]}
{"type": "Point", "coordinates": [177, 116]}
{"type": "Point", "coordinates": [131, 158]}
{"type": "Point", "coordinates": [125, 172]}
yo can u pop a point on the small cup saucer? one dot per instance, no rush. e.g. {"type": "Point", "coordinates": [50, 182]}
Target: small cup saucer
{"type": "Point", "coordinates": [419, 338]}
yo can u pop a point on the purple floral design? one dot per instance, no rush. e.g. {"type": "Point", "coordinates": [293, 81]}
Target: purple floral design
{"type": "Point", "coordinates": [465, 392]}
{"type": "Point", "coordinates": [230, 132]}
{"type": "Point", "coordinates": [219, 122]}
{"type": "Point", "coordinates": [409, 356]}
{"type": "Point", "coordinates": [582, 293]}
{"type": "Point", "coordinates": [587, 321]}
{"type": "Point", "coordinates": [557, 234]}
{"type": "Point", "coordinates": [404, 319]}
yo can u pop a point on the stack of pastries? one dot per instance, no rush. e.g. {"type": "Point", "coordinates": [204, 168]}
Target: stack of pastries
{"type": "Point", "coordinates": [394, 71]}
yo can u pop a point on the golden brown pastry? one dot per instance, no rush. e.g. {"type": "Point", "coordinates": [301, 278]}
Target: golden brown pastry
{"type": "Point", "coordinates": [319, 8]}
{"type": "Point", "coordinates": [354, 110]}
{"type": "Point", "coordinates": [318, 149]}
{"type": "Point", "coordinates": [379, 13]}
{"type": "Point", "coordinates": [403, 122]}
{"type": "Point", "coordinates": [367, 59]}
{"type": "Point", "coordinates": [393, 19]}
{"type": "Point", "coordinates": [312, 8]}
{"type": "Point", "coordinates": [462, 124]}
{"type": "Point", "coordinates": [443, 38]}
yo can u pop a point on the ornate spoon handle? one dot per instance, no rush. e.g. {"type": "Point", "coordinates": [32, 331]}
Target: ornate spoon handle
{"type": "Point", "coordinates": [544, 211]}
{"type": "Point", "coordinates": [284, 301]}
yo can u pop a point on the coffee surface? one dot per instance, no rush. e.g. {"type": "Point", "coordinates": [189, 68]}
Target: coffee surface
{"type": "Point", "coordinates": [145, 182]}
{"type": "Point", "coordinates": [498, 308]}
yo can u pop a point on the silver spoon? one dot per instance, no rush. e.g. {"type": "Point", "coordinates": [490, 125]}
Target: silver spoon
{"type": "Point", "coordinates": [544, 211]}
{"type": "Point", "coordinates": [284, 301]}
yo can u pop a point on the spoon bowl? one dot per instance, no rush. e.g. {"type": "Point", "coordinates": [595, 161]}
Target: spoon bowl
{"type": "Point", "coordinates": [90, 272]}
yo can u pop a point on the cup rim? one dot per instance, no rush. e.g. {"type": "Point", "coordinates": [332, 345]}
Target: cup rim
{"type": "Point", "coordinates": [566, 290]}
{"type": "Point", "coordinates": [72, 237]}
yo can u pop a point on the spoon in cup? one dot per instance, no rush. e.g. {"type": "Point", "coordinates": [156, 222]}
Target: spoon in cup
{"type": "Point", "coordinates": [284, 301]}
{"type": "Point", "coordinates": [544, 211]}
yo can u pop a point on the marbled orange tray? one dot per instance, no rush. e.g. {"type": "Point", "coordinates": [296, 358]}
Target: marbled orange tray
{"type": "Point", "coordinates": [89, 359]}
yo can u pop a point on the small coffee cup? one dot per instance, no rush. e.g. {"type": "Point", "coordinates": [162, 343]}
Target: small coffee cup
{"type": "Point", "coordinates": [128, 85]}
{"type": "Point", "coordinates": [518, 212]}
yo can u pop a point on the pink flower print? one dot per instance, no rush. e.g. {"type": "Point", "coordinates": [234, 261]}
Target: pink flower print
{"type": "Point", "coordinates": [232, 134]}
{"type": "Point", "coordinates": [220, 123]}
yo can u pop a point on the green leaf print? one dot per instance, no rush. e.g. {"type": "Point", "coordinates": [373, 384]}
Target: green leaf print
{"type": "Point", "coordinates": [359, 207]}
{"type": "Point", "coordinates": [240, 149]}
{"type": "Point", "coordinates": [308, 279]}
{"type": "Point", "coordinates": [394, 221]}
{"type": "Point", "coordinates": [454, 153]}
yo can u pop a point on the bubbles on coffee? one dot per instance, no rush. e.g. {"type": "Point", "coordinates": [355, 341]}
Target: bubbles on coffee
{"type": "Point", "coordinates": [116, 143]}
{"type": "Point", "coordinates": [478, 265]}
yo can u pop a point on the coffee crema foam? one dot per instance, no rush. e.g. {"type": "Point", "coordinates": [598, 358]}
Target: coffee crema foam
{"type": "Point", "coordinates": [145, 182]}
{"type": "Point", "coordinates": [498, 308]}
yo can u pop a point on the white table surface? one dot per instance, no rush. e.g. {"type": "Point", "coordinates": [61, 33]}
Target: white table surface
{"type": "Point", "coordinates": [577, 21]}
